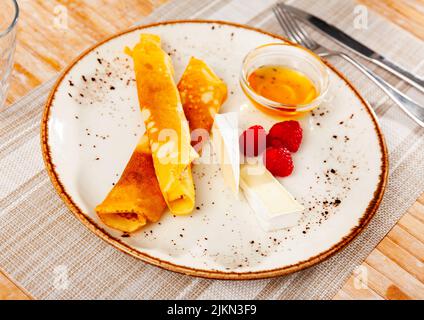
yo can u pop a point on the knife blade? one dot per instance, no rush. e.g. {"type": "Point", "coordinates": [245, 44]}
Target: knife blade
{"type": "Point", "coordinates": [353, 45]}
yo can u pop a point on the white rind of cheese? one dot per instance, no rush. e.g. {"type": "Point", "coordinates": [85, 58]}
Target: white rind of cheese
{"type": "Point", "coordinates": [225, 141]}
{"type": "Point", "coordinates": [274, 207]}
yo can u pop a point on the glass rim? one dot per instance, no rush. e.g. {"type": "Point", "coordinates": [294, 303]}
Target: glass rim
{"type": "Point", "coordinates": [274, 105]}
{"type": "Point", "coordinates": [14, 21]}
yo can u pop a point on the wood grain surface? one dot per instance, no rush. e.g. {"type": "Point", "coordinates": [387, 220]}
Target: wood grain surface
{"type": "Point", "coordinates": [52, 32]}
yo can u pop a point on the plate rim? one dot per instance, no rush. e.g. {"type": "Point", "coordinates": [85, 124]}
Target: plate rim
{"type": "Point", "coordinates": [210, 274]}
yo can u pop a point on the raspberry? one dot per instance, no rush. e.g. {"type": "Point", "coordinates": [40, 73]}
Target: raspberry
{"type": "Point", "coordinates": [253, 141]}
{"type": "Point", "coordinates": [286, 134]}
{"type": "Point", "coordinates": [278, 161]}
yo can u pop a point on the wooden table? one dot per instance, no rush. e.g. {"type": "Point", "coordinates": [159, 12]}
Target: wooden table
{"type": "Point", "coordinates": [52, 32]}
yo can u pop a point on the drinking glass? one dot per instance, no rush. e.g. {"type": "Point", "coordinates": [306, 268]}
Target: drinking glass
{"type": "Point", "coordinates": [9, 12]}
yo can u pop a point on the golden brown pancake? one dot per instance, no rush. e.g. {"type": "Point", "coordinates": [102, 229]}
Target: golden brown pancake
{"type": "Point", "coordinates": [166, 124]}
{"type": "Point", "coordinates": [137, 198]}
{"type": "Point", "coordinates": [202, 94]}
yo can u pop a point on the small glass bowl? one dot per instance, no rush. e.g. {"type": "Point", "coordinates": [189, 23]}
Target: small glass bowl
{"type": "Point", "coordinates": [290, 56]}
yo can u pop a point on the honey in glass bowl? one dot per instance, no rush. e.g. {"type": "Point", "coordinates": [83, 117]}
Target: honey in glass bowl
{"type": "Point", "coordinates": [282, 84]}
{"type": "Point", "coordinates": [284, 79]}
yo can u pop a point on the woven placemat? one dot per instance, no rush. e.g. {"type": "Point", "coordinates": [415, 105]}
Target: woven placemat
{"type": "Point", "coordinates": [51, 255]}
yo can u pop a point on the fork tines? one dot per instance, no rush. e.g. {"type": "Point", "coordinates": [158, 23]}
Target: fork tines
{"type": "Point", "coordinates": [290, 26]}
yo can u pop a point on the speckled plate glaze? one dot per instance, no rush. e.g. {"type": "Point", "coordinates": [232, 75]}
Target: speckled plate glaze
{"type": "Point", "coordinates": [92, 123]}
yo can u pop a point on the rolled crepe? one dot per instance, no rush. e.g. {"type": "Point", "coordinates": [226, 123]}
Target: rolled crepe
{"type": "Point", "coordinates": [136, 198]}
{"type": "Point", "coordinates": [202, 94]}
{"type": "Point", "coordinates": [128, 206]}
{"type": "Point", "coordinates": [166, 124]}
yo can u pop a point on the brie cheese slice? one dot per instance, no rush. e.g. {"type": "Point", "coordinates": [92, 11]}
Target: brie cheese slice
{"type": "Point", "coordinates": [274, 207]}
{"type": "Point", "coordinates": [225, 141]}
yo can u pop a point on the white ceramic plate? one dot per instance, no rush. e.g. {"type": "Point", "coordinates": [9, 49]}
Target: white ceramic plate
{"type": "Point", "coordinates": [92, 123]}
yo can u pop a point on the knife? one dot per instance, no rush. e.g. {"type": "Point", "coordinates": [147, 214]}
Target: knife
{"type": "Point", "coordinates": [349, 43]}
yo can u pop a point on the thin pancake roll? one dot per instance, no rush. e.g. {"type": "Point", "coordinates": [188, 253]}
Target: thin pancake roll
{"type": "Point", "coordinates": [202, 94]}
{"type": "Point", "coordinates": [136, 198]}
{"type": "Point", "coordinates": [166, 124]}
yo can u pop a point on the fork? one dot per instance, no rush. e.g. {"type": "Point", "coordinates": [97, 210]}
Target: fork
{"type": "Point", "coordinates": [297, 34]}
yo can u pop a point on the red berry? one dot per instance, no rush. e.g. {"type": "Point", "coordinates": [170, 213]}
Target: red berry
{"type": "Point", "coordinates": [286, 134]}
{"type": "Point", "coordinates": [253, 141]}
{"type": "Point", "coordinates": [278, 161]}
